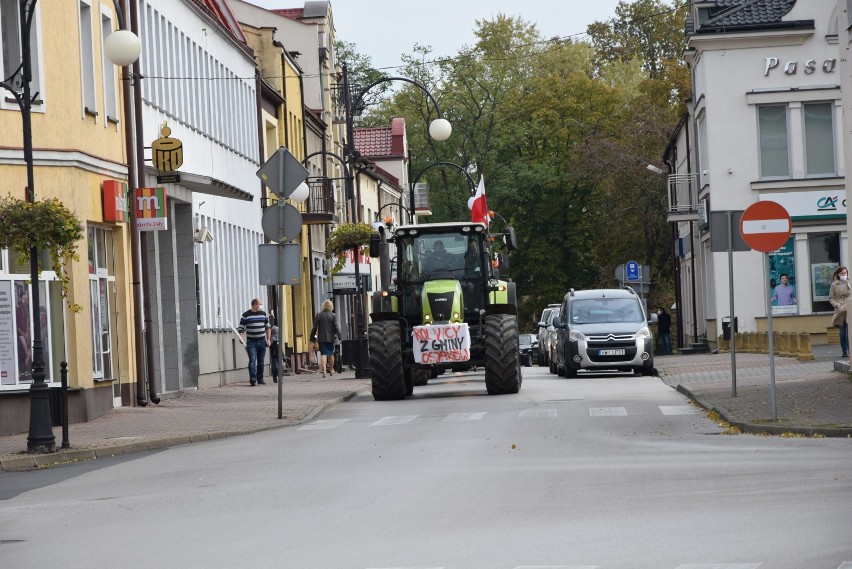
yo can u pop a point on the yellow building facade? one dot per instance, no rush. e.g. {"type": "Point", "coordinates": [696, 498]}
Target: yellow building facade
{"type": "Point", "coordinates": [78, 149]}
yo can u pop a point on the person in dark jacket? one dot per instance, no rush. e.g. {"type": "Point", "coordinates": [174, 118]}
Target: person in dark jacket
{"type": "Point", "coordinates": [325, 331]}
{"type": "Point", "coordinates": [664, 325]}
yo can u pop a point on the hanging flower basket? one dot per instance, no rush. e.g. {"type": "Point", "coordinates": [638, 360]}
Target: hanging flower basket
{"type": "Point", "coordinates": [346, 237]}
{"type": "Point", "coordinates": [46, 225]}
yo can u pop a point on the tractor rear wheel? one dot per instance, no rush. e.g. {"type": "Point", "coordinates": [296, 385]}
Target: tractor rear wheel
{"type": "Point", "coordinates": [502, 357]}
{"type": "Point", "coordinates": [386, 361]}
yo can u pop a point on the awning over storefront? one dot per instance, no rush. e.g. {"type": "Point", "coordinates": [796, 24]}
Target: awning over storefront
{"type": "Point", "coordinates": [213, 187]}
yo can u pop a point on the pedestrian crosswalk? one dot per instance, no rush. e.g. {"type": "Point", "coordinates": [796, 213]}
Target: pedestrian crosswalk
{"type": "Point", "coordinates": [524, 414]}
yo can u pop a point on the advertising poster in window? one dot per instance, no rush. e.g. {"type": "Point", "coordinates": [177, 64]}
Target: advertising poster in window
{"type": "Point", "coordinates": [7, 335]}
{"type": "Point", "coordinates": [782, 279]}
{"type": "Point", "coordinates": [22, 332]}
{"type": "Point", "coordinates": [821, 274]}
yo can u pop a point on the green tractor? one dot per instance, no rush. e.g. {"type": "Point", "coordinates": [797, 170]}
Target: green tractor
{"type": "Point", "coordinates": [442, 306]}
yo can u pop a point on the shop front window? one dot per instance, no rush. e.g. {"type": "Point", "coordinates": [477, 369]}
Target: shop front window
{"type": "Point", "coordinates": [16, 329]}
{"type": "Point", "coordinates": [824, 258]}
{"type": "Point", "coordinates": [102, 302]}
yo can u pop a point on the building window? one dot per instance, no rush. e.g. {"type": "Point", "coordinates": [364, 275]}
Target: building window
{"type": "Point", "coordinates": [87, 62]}
{"type": "Point", "coordinates": [819, 139]}
{"type": "Point", "coordinates": [824, 258]}
{"type": "Point", "coordinates": [10, 44]}
{"type": "Point", "coordinates": [102, 302]}
{"type": "Point", "coordinates": [774, 154]}
{"type": "Point", "coordinates": [110, 91]}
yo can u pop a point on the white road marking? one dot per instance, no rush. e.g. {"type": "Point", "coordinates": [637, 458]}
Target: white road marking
{"type": "Point", "coordinates": [323, 424]}
{"type": "Point", "coordinates": [464, 417]}
{"type": "Point", "coordinates": [845, 565]}
{"type": "Point", "coordinates": [720, 566]}
{"type": "Point", "coordinates": [678, 410]}
{"type": "Point", "coordinates": [607, 411]}
{"type": "Point", "coordinates": [537, 414]}
{"type": "Point", "coordinates": [394, 420]}
{"type": "Point", "coordinates": [556, 567]}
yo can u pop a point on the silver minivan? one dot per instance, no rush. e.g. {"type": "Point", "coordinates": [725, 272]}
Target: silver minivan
{"type": "Point", "coordinates": [603, 329]}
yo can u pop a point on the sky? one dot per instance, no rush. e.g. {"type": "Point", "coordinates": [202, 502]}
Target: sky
{"type": "Point", "coordinates": [385, 29]}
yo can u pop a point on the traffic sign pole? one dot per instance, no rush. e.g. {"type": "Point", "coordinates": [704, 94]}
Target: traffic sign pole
{"type": "Point", "coordinates": [766, 226]}
{"type": "Point", "coordinates": [731, 295]}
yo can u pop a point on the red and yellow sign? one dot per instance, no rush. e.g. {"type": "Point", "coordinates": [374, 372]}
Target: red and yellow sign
{"type": "Point", "coordinates": [151, 209]}
{"type": "Point", "coordinates": [115, 201]}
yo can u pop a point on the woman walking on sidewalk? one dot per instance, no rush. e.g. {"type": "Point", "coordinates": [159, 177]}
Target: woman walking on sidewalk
{"type": "Point", "coordinates": [325, 331]}
{"type": "Point", "coordinates": [838, 296]}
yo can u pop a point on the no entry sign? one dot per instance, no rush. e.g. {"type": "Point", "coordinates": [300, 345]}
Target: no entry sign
{"type": "Point", "coordinates": [765, 226]}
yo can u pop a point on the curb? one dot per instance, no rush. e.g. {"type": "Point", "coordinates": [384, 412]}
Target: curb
{"type": "Point", "coordinates": [756, 429]}
{"type": "Point", "coordinates": [28, 462]}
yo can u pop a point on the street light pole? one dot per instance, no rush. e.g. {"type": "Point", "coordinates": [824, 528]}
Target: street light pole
{"type": "Point", "coordinates": [439, 129]}
{"type": "Point", "coordinates": [41, 439]}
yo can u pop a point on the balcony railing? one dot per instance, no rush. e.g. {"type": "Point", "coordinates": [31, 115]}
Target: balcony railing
{"type": "Point", "coordinates": [319, 207]}
{"type": "Point", "coordinates": [683, 196]}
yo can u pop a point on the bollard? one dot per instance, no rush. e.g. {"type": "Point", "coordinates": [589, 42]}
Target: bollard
{"type": "Point", "coordinates": [806, 353]}
{"type": "Point", "coordinates": [783, 344]}
{"type": "Point", "coordinates": [793, 340]}
{"type": "Point", "coordinates": [724, 345]}
{"type": "Point", "coordinates": [747, 342]}
{"type": "Point", "coordinates": [63, 397]}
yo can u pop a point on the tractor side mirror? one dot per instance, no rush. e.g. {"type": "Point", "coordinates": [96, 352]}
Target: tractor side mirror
{"type": "Point", "coordinates": [510, 239]}
{"type": "Point", "coordinates": [375, 245]}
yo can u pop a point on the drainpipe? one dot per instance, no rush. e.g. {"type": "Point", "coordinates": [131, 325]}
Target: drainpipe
{"type": "Point", "coordinates": [132, 180]}
{"type": "Point", "coordinates": [143, 238]}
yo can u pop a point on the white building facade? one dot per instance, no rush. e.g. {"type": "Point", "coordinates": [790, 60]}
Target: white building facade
{"type": "Point", "coordinates": [200, 80]}
{"type": "Point", "coordinates": [764, 123]}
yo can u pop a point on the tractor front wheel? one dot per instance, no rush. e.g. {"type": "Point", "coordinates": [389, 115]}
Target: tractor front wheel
{"type": "Point", "coordinates": [502, 357]}
{"type": "Point", "coordinates": [386, 361]}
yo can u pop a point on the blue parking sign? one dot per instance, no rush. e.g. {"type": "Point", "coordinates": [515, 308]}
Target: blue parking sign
{"type": "Point", "coordinates": [632, 271]}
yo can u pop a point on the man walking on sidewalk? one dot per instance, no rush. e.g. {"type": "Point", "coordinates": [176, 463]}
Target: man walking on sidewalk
{"type": "Point", "coordinates": [256, 333]}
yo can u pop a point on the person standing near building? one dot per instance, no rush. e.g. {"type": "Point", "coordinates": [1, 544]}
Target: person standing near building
{"type": "Point", "coordinates": [325, 331]}
{"type": "Point", "coordinates": [664, 325]}
{"type": "Point", "coordinates": [256, 333]}
{"type": "Point", "coordinates": [838, 295]}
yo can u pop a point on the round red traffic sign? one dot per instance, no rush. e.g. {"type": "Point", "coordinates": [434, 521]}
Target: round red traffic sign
{"type": "Point", "coordinates": [765, 226]}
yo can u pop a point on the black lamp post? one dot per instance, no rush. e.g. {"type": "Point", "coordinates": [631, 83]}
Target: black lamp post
{"type": "Point", "coordinates": [439, 129]}
{"type": "Point", "coordinates": [41, 439]}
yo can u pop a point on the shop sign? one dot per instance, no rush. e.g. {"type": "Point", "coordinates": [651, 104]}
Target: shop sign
{"type": "Point", "coordinates": [791, 67]}
{"type": "Point", "coordinates": [167, 156]}
{"type": "Point", "coordinates": [811, 204]}
{"type": "Point", "coordinates": [151, 209]}
{"type": "Point", "coordinates": [115, 201]}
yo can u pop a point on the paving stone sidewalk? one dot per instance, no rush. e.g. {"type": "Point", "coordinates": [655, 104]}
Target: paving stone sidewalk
{"type": "Point", "coordinates": [811, 397]}
{"type": "Point", "coordinates": [195, 416]}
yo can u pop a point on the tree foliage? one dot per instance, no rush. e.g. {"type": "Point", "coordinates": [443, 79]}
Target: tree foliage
{"type": "Point", "coordinates": [561, 132]}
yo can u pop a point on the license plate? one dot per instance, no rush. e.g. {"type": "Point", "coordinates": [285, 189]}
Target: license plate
{"type": "Point", "coordinates": [620, 352]}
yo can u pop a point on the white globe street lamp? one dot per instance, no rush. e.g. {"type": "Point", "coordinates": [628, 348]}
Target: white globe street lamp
{"type": "Point", "coordinates": [440, 129]}
{"type": "Point", "coordinates": [122, 47]}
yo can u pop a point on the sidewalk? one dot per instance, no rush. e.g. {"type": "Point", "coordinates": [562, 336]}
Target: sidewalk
{"type": "Point", "coordinates": [195, 416]}
{"type": "Point", "coordinates": [811, 398]}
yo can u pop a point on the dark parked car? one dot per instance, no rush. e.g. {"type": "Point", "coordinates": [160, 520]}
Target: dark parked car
{"type": "Point", "coordinates": [546, 333]}
{"type": "Point", "coordinates": [528, 345]}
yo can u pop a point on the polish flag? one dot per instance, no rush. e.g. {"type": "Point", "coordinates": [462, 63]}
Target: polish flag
{"type": "Point", "coordinates": [477, 204]}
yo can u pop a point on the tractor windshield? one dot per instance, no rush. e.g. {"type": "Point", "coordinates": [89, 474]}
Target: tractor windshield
{"type": "Point", "coordinates": [439, 255]}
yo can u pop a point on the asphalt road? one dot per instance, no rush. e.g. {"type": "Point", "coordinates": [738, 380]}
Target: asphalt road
{"type": "Point", "coordinates": [600, 471]}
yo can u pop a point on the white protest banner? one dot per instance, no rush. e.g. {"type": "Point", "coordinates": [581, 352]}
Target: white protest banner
{"type": "Point", "coordinates": [441, 343]}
